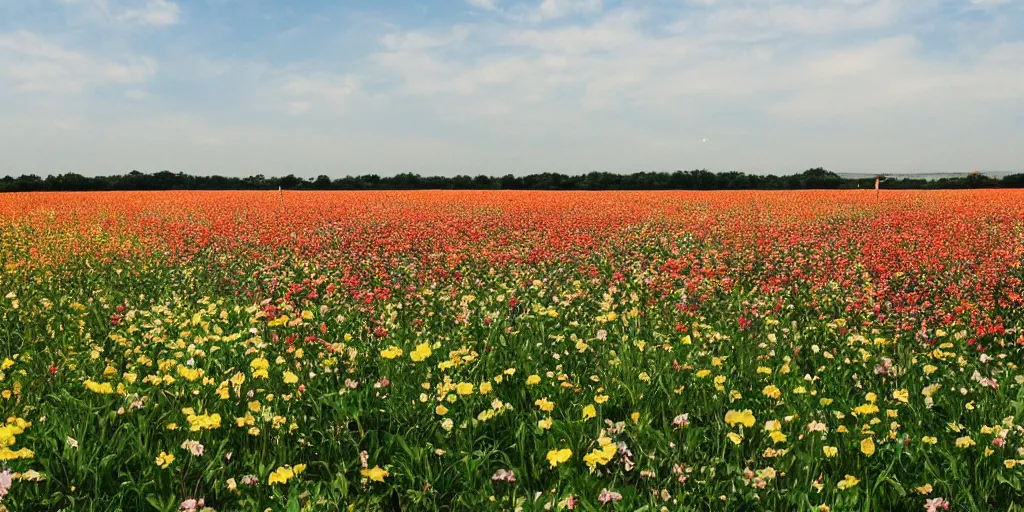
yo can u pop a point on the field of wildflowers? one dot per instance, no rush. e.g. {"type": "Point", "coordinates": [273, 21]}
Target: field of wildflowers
{"type": "Point", "coordinates": [184, 351]}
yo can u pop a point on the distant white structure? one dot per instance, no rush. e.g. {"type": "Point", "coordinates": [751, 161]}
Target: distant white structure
{"type": "Point", "coordinates": [704, 140]}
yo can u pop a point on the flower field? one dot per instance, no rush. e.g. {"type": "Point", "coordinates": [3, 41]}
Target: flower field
{"type": "Point", "coordinates": [437, 350]}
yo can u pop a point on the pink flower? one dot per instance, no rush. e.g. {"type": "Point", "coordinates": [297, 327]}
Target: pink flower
{"type": "Point", "coordinates": [571, 502]}
{"type": "Point", "coordinates": [936, 504]}
{"type": "Point", "coordinates": [681, 421]}
{"type": "Point", "coordinates": [817, 426]}
{"type": "Point", "coordinates": [608, 496]}
{"type": "Point", "coordinates": [192, 505]}
{"type": "Point", "coordinates": [5, 483]}
{"type": "Point", "coordinates": [502, 475]}
{"type": "Point", "coordinates": [885, 367]}
{"type": "Point", "coordinates": [194, 447]}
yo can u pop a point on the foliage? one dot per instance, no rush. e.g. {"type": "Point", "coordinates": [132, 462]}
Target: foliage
{"type": "Point", "coordinates": [680, 180]}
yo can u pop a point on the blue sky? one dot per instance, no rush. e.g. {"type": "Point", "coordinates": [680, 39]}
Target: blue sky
{"type": "Point", "coordinates": [241, 87]}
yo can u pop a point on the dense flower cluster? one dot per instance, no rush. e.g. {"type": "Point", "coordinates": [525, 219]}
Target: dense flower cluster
{"type": "Point", "coordinates": [512, 350]}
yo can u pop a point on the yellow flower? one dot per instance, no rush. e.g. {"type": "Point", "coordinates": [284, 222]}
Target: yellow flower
{"type": "Point", "coordinates": [422, 352]}
{"type": "Point", "coordinates": [164, 460]}
{"type": "Point", "coordinates": [189, 374]}
{"type": "Point", "coordinates": [290, 378]}
{"type": "Point", "coordinates": [734, 437]}
{"type": "Point", "coordinates": [222, 391]}
{"type": "Point", "coordinates": [871, 397]}
{"type": "Point", "coordinates": [866, 409]}
{"type": "Point", "coordinates": [391, 352]}
{"type": "Point", "coordinates": [103, 389]}
{"type": "Point", "coordinates": [830, 451]}
{"type": "Point", "coordinates": [848, 482]}
{"type": "Point", "coordinates": [556, 457]}
{"type": "Point", "coordinates": [259, 368]}
{"type": "Point", "coordinates": [600, 399]}
{"type": "Point", "coordinates": [867, 446]}
{"type": "Point", "coordinates": [601, 456]}
{"type": "Point", "coordinates": [533, 380]}
{"type": "Point", "coordinates": [929, 440]}
{"type": "Point", "coordinates": [203, 421]}
{"type": "Point", "coordinates": [745, 417]}
{"type": "Point", "coordinates": [440, 410]}
{"type": "Point", "coordinates": [544, 424]}
{"type": "Point", "coordinates": [964, 442]}
{"type": "Point", "coordinates": [281, 475]}
{"type": "Point", "coordinates": [777, 437]}
{"type": "Point", "coordinates": [703, 373]}
{"type": "Point", "coordinates": [485, 415]}
{"type": "Point", "coordinates": [545, 405]}
{"type": "Point", "coordinates": [635, 417]}
{"type": "Point", "coordinates": [464, 388]}
{"type": "Point", "coordinates": [375, 473]}
{"type": "Point", "coordinates": [485, 388]}
{"type": "Point", "coordinates": [925, 489]}
{"type": "Point", "coordinates": [771, 391]}
{"type": "Point", "coordinates": [901, 395]}
{"type": "Point", "coordinates": [589, 412]}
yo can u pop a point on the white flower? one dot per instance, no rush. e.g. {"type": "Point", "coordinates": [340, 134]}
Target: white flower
{"type": "Point", "coordinates": [194, 447]}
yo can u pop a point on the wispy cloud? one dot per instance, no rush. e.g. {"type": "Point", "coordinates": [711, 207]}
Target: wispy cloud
{"type": "Point", "coordinates": [149, 13]}
{"type": "Point", "coordinates": [33, 64]}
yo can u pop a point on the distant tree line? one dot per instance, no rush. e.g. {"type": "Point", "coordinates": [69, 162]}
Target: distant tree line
{"type": "Point", "coordinates": [680, 180]}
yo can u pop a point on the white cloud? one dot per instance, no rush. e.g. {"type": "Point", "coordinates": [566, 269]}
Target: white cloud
{"type": "Point", "coordinates": [150, 13]}
{"type": "Point", "coordinates": [157, 13]}
{"type": "Point", "coordinates": [487, 5]}
{"type": "Point", "coordinates": [137, 95]}
{"type": "Point", "coordinates": [548, 10]}
{"type": "Point", "coordinates": [32, 63]}
{"type": "Point", "coordinates": [993, 2]}
{"type": "Point", "coordinates": [551, 9]}
{"type": "Point", "coordinates": [322, 88]}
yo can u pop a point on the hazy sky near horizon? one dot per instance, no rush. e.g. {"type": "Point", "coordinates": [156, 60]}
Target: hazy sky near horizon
{"type": "Point", "coordinates": [444, 87]}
